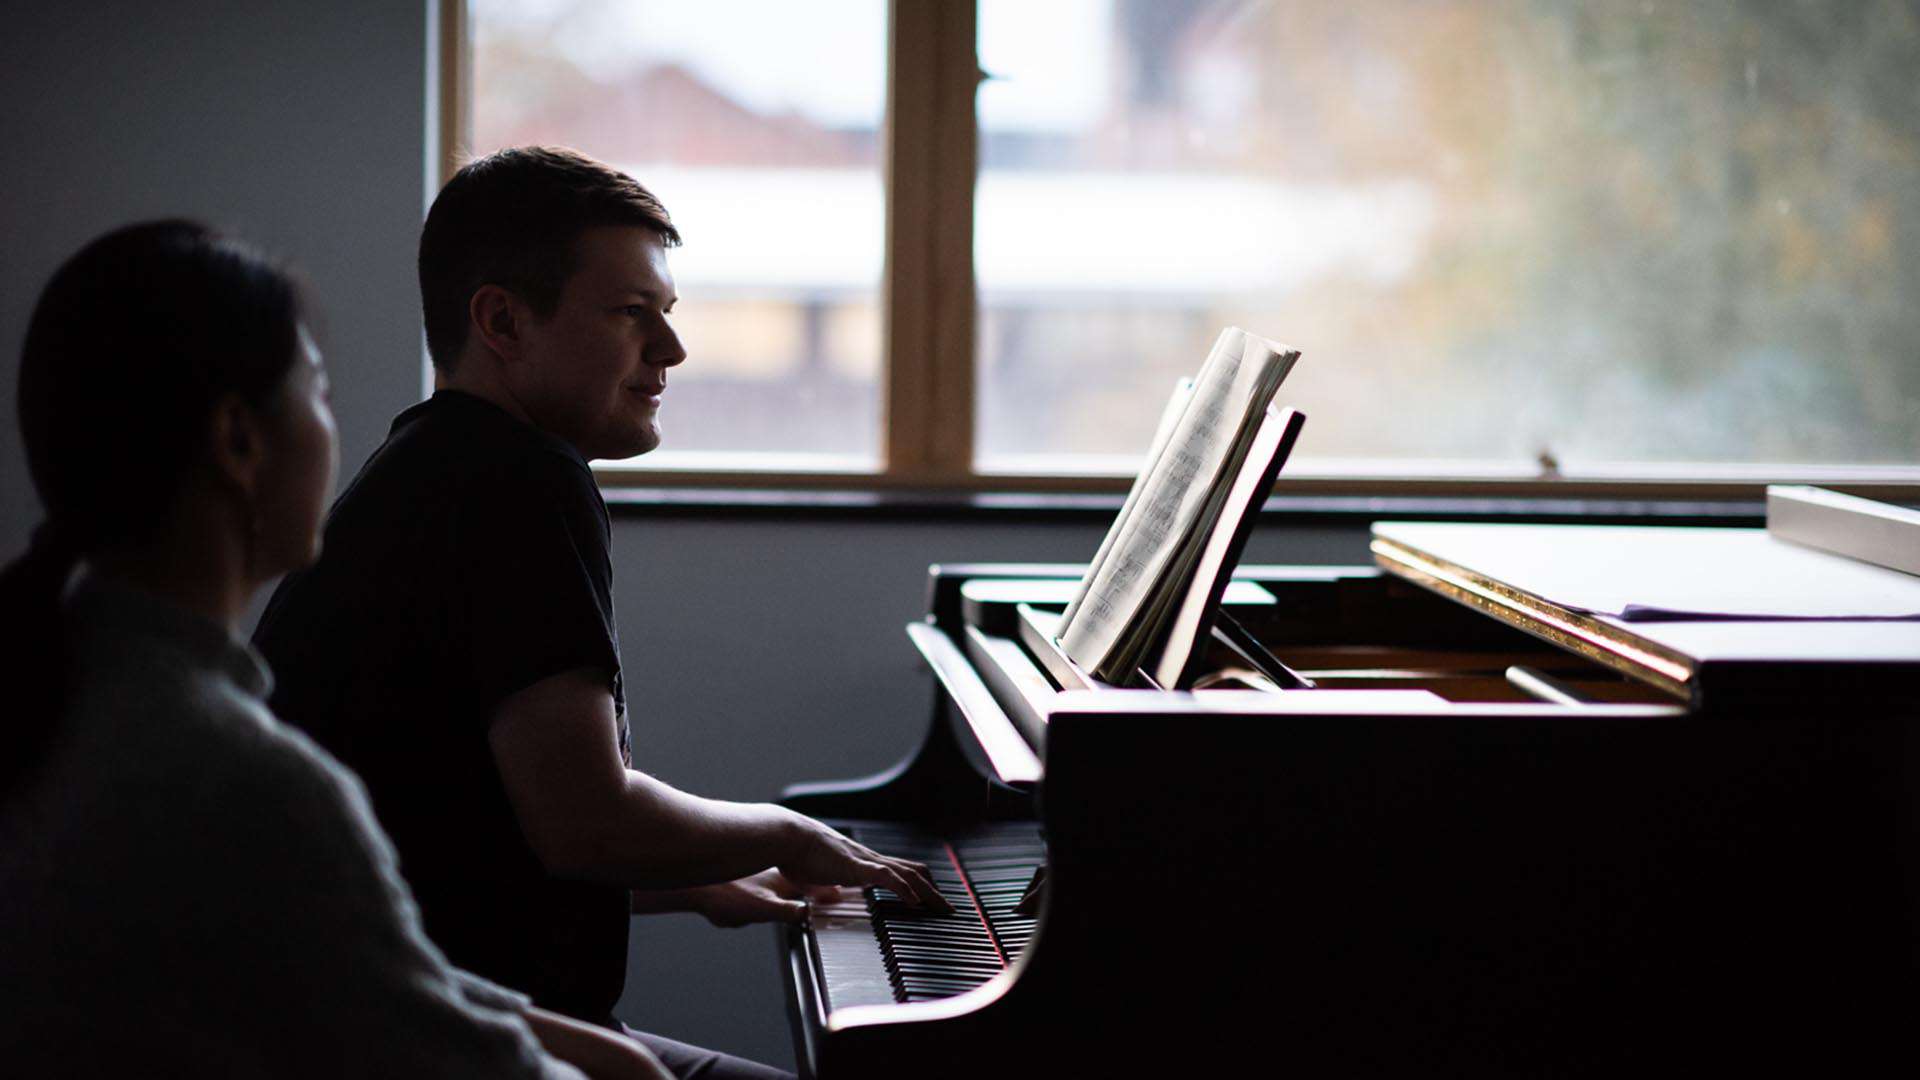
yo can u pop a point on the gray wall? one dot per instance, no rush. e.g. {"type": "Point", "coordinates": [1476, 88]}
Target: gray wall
{"type": "Point", "coordinates": [303, 126]}
{"type": "Point", "coordinates": [760, 650]}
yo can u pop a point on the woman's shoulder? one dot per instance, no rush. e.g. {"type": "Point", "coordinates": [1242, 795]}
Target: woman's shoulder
{"type": "Point", "coordinates": [280, 776]}
{"type": "Point", "coordinates": [200, 743]}
{"type": "Point", "coordinates": [212, 751]}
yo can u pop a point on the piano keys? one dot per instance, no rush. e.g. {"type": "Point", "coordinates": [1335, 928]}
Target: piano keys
{"type": "Point", "coordinates": [1416, 865]}
{"type": "Point", "coordinates": [874, 949]}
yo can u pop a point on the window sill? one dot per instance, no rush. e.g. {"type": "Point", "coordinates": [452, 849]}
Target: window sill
{"type": "Point", "coordinates": [1445, 481]}
{"type": "Point", "coordinates": [1289, 508]}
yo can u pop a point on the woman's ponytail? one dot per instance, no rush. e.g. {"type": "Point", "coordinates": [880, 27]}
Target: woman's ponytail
{"type": "Point", "coordinates": [33, 665]}
{"type": "Point", "coordinates": [133, 341]}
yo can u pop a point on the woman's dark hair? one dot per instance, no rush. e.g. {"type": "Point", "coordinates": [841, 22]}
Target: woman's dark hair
{"type": "Point", "coordinates": [132, 343]}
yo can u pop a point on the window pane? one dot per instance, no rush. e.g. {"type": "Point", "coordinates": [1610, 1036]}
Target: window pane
{"type": "Point", "coordinates": [1616, 233]}
{"type": "Point", "coordinates": [764, 146]}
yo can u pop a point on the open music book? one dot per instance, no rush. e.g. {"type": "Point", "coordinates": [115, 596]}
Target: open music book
{"type": "Point", "coordinates": [1149, 595]}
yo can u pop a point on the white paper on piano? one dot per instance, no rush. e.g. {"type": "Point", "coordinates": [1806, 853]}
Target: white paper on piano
{"type": "Point", "coordinates": [1670, 573]}
{"type": "Point", "coordinates": [1182, 477]}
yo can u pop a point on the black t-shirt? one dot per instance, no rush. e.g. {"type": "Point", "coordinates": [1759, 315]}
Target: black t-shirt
{"type": "Point", "coordinates": [467, 561]}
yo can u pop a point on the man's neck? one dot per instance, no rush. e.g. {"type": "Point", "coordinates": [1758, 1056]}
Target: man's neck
{"type": "Point", "coordinates": [474, 376]}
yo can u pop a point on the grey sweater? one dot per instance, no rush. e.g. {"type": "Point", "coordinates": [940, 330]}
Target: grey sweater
{"type": "Point", "coordinates": [187, 887]}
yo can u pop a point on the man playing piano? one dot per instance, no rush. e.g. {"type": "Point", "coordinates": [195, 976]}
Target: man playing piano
{"type": "Point", "coordinates": [456, 642]}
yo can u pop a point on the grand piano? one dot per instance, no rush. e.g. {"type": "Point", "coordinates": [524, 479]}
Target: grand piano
{"type": "Point", "coordinates": [1447, 814]}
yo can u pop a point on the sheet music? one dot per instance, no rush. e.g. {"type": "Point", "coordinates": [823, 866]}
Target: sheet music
{"type": "Point", "coordinates": [1162, 435]}
{"type": "Point", "coordinates": [1229, 386]}
{"type": "Point", "coordinates": [1212, 557]}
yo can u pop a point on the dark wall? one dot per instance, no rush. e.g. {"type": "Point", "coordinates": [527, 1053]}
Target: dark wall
{"type": "Point", "coordinates": [302, 126]}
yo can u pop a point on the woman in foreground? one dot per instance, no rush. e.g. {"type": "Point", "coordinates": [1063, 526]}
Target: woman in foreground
{"type": "Point", "coordinates": [186, 886]}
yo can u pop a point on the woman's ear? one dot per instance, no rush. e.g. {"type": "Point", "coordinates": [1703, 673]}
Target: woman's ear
{"type": "Point", "coordinates": [237, 443]}
{"type": "Point", "coordinates": [497, 316]}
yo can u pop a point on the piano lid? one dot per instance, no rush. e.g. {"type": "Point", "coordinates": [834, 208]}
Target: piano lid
{"type": "Point", "coordinates": [1720, 617]}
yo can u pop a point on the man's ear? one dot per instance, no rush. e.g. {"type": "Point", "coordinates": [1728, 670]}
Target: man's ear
{"type": "Point", "coordinates": [498, 318]}
{"type": "Point", "coordinates": [236, 443]}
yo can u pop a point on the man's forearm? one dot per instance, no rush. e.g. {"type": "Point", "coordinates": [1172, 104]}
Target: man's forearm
{"type": "Point", "coordinates": [655, 837]}
{"type": "Point", "coordinates": [586, 815]}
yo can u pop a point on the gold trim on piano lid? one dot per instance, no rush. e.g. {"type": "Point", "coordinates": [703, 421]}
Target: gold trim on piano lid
{"type": "Point", "coordinates": [1585, 635]}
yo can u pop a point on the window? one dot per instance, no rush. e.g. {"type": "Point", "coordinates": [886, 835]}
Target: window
{"type": "Point", "coordinates": [772, 174]}
{"type": "Point", "coordinates": [1556, 242]}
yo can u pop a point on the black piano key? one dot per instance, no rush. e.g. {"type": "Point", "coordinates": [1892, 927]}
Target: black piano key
{"type": "Point", "coordinates": [943, 971]}
{"type": "Point", "coordinates": [945, 956]}
{"type": "Point", "coordinates": [927, 979]}
{"type": "Point", "coordinates": [938, 990]}
{"type": "Point", "coordinates": [932, 947]}
{"type": "Point", "coordinates": [957, 947]}
{"type": "Point", "coordinates": [951, 981]}
{"type": "Point", "coordinates": [940, 947]}
{"type": "Point", "coordinates": [958, 933]}
{"type": "Point", "coordinates": [934, 929]}
{"type": "Point", "coordinates": [946, 987]}
{"type": "Point", "coordinates": [937, 947]}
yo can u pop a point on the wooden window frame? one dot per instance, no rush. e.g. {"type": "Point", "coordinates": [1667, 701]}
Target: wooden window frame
{"type": "Point", "coordinates": [929, 162]}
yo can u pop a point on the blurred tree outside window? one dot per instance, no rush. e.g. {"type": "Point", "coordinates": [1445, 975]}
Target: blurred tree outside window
{"type": "Point", "coordinates": [1628, 235]}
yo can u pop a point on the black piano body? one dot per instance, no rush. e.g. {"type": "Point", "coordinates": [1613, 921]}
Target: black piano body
{"type": "Point", "coordinates": [1413, 868]}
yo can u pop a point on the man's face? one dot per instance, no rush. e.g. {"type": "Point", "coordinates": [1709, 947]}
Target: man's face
{"type": "Point", "coordinates": [594, 371]}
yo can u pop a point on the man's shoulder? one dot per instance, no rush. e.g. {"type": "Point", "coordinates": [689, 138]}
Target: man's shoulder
{"type": "Point", "coordinates": [454, 450]}
{"type": "Point", "coordinates": [453, 436]}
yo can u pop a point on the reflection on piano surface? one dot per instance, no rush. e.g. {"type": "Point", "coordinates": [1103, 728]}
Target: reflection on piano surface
{"type": "Point", "coordinates": [1418, 866]}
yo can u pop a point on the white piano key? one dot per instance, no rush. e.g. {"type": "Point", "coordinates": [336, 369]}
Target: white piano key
{"type": "Point", "coordinates": [850, 962]}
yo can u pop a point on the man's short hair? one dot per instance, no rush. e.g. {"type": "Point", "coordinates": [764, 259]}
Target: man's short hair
{"type": "Point", "coordinates": [511, 219]}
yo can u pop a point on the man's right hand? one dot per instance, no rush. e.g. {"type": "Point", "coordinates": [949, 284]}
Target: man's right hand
{"type": "Point", "coordinates": [818, 855]}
